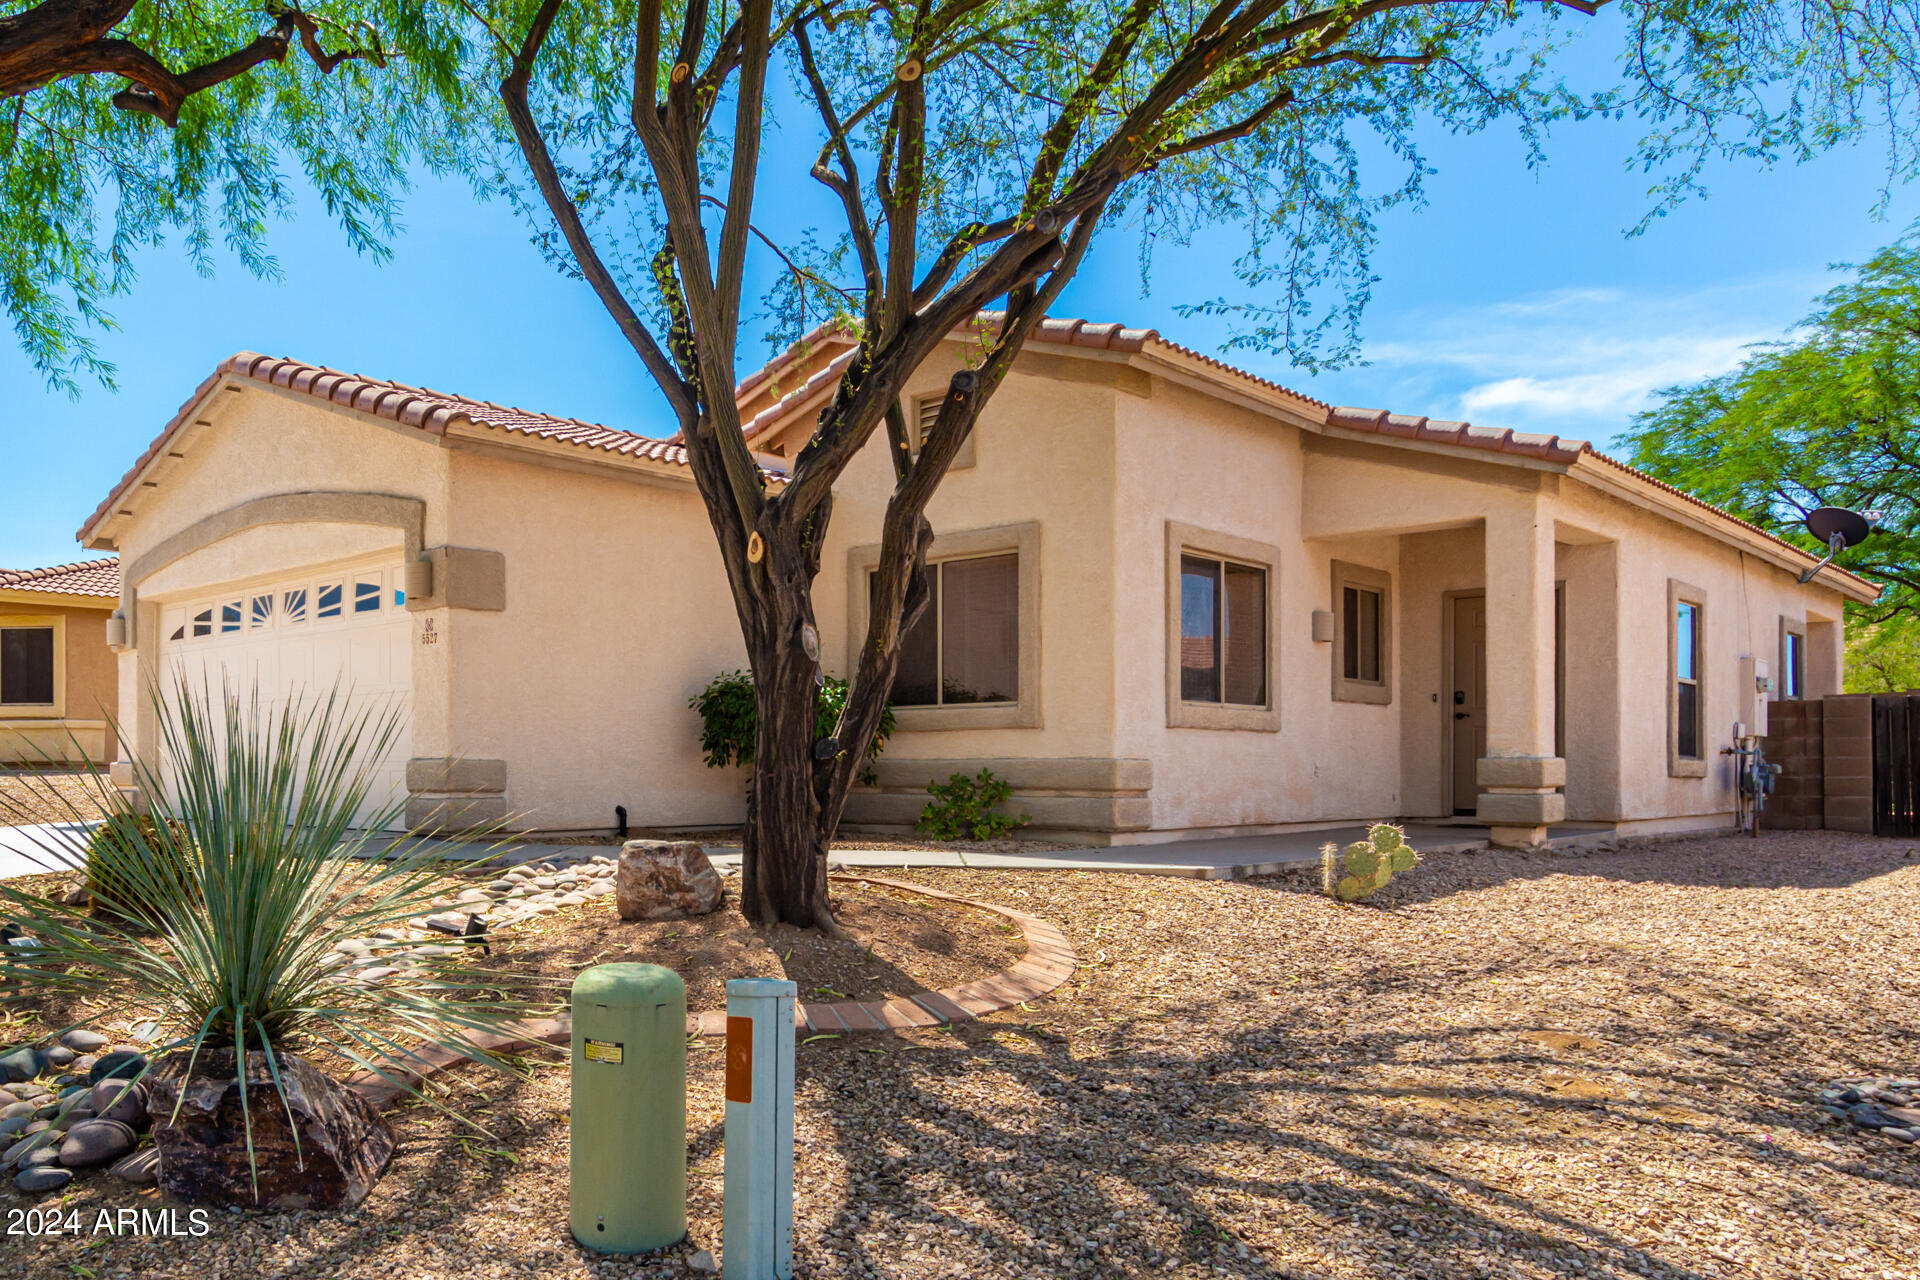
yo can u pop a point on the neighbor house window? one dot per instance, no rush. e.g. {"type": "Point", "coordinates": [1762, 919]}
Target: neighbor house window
{"type": "Point", "coordinates": [1686, 681]}
{"type": "Point", "coordinates": [965, 648]}
{"type": "Point", "coordinates": [1223, 632]}
{"type": "Point", "coordinates": [1363, 634]}
{"type": "Point", "coordinates": [27, 660]}
{"type": "Point", "coordinates": [1791, 680]}
{"type": "Point", "coordinates": [1220, 633]}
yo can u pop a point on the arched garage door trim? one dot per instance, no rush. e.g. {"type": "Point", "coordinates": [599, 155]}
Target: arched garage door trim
{"type": "Point", "coordinates": [408, 515]}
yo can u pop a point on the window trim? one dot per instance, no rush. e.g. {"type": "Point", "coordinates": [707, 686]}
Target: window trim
{"type": "Point", "coordinates": [1678, 593]}
{"type": "Point", "coordinates": [1365, 578]}
{"type": "Point", "coordinates": [57, 709]}
{"type": "Point", "coordinates": [1020, 539]}
{"type": "Point", "coordinates": [1185, 539]}
{"type": "Point", "coordinates": [1797, 629]}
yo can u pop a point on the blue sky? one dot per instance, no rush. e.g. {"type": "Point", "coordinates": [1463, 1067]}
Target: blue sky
{"type": "Point", "coordinates": [1513, 298]}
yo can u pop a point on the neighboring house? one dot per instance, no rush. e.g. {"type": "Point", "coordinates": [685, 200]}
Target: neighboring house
{"type": "Point", "coordinates": [58, 680]}
{"type": "Point", "coordinates": [1173, 599]}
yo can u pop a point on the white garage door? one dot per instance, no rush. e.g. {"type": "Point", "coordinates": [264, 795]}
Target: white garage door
{"type": "Point", "coordinates": [295, 638]}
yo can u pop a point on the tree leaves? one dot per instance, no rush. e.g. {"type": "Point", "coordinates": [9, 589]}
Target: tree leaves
{"type": "Point", "coordinates": [1830, 417]}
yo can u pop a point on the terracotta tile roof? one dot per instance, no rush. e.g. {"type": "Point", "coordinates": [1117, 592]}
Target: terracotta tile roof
{"type": "Point", "coordinates": [430, 411]}
{"type": "Point", "coordinates": [1463, 434]}
{"type": "Point", "coordinates": [1058, 331]}
{"type": "Point", "coordinates": [1556, 449]}
{"type": "Point", "coordinates": [85, 578]}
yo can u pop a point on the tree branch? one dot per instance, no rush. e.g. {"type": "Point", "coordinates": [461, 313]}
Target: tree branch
{"type": "Point", "coordinates": [533, 145]}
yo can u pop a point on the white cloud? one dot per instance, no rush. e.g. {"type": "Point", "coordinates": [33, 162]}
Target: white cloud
{"type": "Point", "coordinates": [1579, 361]}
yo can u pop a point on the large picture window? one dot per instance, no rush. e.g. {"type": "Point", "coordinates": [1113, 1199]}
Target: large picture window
{"type": "Point", "coordinates": [1686, 681]}
{"type": "Point", "coordinates": [965, 649]}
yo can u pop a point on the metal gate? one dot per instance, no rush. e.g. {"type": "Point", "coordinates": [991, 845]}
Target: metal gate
{"type": "Point", "coordinates": [1896, 760]}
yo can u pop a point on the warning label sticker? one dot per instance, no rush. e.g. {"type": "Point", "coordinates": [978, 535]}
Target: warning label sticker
{"type": "Point", "coordinates": [604, 1051]}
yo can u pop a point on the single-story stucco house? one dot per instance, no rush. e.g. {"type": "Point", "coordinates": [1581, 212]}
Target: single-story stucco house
{"type": "Point", "coordinates": [1174, 599]}
{"type": "Point", "coordinates": [59, 682]}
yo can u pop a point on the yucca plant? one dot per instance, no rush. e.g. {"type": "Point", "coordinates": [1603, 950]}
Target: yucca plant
{"type": "Point", "coordinates": [264, 846]}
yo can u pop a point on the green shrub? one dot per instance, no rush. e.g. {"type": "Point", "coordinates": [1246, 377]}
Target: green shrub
{"type": "Point", "coordinates": [1366, 865]}
{"type": "Point", "coordinates": [726, 720]}
{"type": "Point", "coordinates": [962, 808]}
{"type": "Point", "coordinates": [126, 853]}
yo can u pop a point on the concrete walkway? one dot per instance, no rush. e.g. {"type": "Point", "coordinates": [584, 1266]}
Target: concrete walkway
{"type": "Point", "coordinates": [24, 850]}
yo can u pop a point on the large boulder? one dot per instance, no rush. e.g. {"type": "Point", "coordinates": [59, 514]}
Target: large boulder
{"type": "Point", "coordinates": [344, 1145]}
{"type": "Point", "coordinates": [665, 880]}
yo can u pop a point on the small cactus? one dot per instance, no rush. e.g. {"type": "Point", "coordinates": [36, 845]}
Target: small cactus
{"type": "Point", "coordinates": [1366, 865]}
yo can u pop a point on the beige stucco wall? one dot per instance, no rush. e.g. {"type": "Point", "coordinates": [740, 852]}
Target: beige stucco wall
{"type": "Point", "coordinates": [1044, 451]}
{"type": "Point", "coordinates": [1226, 470]}
{"type": "Point", "coordinates": [617, 613]}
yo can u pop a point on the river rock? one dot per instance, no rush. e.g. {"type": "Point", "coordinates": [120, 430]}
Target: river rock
{"type": "Point", "coordinates": [93, 1142]}
{"type": "Point", "coordinates": [120, 1064]}
{"type": "Point", "coordinates": [344, 1144]}
{"type": "Point", "coordinates": [22, 1065]}
{"type": "Point", "coordinates": [81, 1040]}
{"type": "Point", "coordinates": [141, 1168]}
{"type": "Point", "coordinates": [118, 1100]}
{"type": "Point", "coordinates": [59, 1055]}
{"type": "Point", "coordinates": [665, 880]}
{"type": "Point", "coordinates": [45, 1178]}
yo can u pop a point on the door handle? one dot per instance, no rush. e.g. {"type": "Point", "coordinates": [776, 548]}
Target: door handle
{"type": "Point", "coordinates": [1462, 715]}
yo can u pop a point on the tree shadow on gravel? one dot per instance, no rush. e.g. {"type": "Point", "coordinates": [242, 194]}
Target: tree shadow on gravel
{"type": "Point", "coordinates": [996, 1149]}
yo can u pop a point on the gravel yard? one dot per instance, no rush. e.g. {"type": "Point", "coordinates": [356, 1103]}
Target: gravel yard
{"type": "Point", "coordinates": [1514, 1065]}
{"type": "Point", "coordinates": [24, 796]}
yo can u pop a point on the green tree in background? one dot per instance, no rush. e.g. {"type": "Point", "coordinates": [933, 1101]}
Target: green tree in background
{"type": "Point", "coordinates": [973, 150]}
{"type": "Point", "coordinates": [1828, 417]}
{"type": "Point", "coordinates": [124, 120]}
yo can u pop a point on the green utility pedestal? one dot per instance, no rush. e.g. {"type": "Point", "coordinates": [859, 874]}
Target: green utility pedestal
{"type": "Point", "coordinates": [629, 1117]}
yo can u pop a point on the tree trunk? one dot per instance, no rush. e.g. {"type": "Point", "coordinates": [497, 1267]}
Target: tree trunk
{"type": "Point", "coordinates": [784, 851]}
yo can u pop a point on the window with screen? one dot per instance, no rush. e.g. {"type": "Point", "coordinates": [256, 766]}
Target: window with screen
{"type": "Point", "coordinates": [1363, 634]}
{"type": "Point", "coordinates": [1223, 632]}
{"type": "Point", "coordinates": [27, 666]}
{"type": "Point", "coordinates": [1793, 664]}
{"type": "Point", "coordinates": [1687, 664]}
{"type": "Point", "coordinates": [965, 648]}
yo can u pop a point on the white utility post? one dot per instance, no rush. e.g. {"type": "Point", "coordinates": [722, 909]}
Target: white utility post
{"type": "Point", "coordinates": [757, 1222]}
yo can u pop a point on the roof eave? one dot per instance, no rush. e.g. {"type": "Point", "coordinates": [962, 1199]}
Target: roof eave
{"type": "Point", "coordinates": [58, 599]}
{"type": "Point", "coordinates": [1620, 481]}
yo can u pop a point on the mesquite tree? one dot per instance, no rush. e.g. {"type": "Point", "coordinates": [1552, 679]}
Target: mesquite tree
{"type": "Point", "coordinates": [151, 116]}
{"type": "Point", "coordinates": [975, 148]}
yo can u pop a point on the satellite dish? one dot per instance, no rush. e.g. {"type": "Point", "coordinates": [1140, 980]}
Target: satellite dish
{"type": "Point", "coordinates": [1831, 524]}
{"type": "Point", "coordinates": [1839, 528]}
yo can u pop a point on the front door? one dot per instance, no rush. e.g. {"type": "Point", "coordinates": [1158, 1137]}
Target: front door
{"type": "Point", "coordinates": [1469, 695]}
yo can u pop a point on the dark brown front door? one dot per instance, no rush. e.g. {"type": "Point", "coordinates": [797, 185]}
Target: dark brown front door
{"type": "Point", "coordinates": [1469, 697]}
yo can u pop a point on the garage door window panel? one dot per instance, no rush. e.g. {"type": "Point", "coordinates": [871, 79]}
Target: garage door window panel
{"type": "Point", "coordinates": [329, 601]}
{"type": "Point", "coordinates": [293, 607]}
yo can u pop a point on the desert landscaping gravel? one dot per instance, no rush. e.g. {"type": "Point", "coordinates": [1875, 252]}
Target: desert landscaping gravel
{"type": "Point", "coordinates": [1507, 1065]}
{"type": "Point", "coordinates": [54, 795]}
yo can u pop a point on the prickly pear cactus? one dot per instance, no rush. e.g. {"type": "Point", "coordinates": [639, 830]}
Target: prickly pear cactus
{"type": "Point", "coordinates": [1365, 866]}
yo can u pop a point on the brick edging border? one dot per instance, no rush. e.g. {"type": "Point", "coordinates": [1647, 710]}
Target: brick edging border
{"type": "Point", "coordinates": [1049, 961]}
